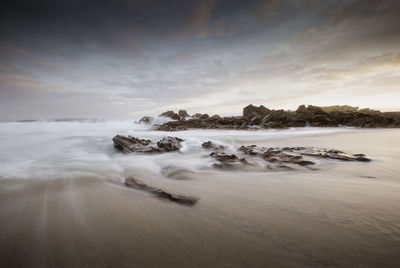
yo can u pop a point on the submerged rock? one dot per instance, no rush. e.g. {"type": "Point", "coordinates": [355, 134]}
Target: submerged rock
{"type": "Point", "coordinates": [296, 155]}
{"type": "Point", "coordinates": [146, 119]}
{"type": "Point", "coordinates": [168, 144]}
{"type": "Point", "coordinates": [210, 145]}
{"type": "Point", "coordinates": [180, 199]}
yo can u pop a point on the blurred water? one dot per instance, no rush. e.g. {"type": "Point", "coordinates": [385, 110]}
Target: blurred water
{"type": "Point", "coordinates": [65, 149]}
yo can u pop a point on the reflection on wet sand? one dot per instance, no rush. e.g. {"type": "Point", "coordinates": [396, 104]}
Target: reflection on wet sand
{"type": "Point", "coordinates": [345, 214]}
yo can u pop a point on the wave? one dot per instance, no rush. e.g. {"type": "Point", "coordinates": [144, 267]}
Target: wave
{"type": "Point", "coordinates": [71, 148]}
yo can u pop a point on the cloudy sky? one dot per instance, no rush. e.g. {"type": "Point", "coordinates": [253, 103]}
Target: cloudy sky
{"type": "Point", "coordinates": [122, 59]}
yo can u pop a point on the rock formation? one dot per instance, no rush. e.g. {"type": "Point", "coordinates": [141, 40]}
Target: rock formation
{"type": "Point", "coordinates": [132, 144]}
{"type": "Point", "coordinates": [262, 117]}
{"type": "Point", "coordinates": [180, 199]}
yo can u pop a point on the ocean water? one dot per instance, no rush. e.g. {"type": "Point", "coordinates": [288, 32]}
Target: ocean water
{"type": "Point", "coordinates": [63, 202]}
{"type": "Point", "coordinates": [65, 149]}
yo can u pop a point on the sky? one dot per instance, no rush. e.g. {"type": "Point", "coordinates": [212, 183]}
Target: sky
{"type": "Point", "coordinates": [123, 59]}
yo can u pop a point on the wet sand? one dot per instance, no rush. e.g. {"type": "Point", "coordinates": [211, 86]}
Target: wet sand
{"type": "Point", "coordinates": [342, 215]}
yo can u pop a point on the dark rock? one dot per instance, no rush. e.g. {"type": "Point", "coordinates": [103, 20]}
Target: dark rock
{"type": "Point", "coordinates": [167, 114]}
{"type": "Point", "coordinates": [183, 114]}
{"type": "Point", "coordinates": [215, 117]}
{"type": "Point", "coordinates": [256, 120]}
{"type": "Point", "coordinates": [180, 199]}
{"type": "Point", "coordinates": [252, 111]}
{"type": "Point", "coordinates": [171, 114]}
{"type": "Point", "coordinates": [295, 155]}
{"type": "Point", "coordinates": [204, 116]}
{"type": "Point", "coordinates": [168, 144]}
{"type": "Point", "coordinates": [175, 116]}
{"type": "Point", "coordinates": [304, 115]}
{"type": "Point", "coordinates": [146, 119]}
{"type": "Point", "coordinates": [131, 144]}
{"type": "Point", "coordinates": [210, 145]}
{"type": "Point", "coordinates": [223, 157]}
{"type": "Point", "coordinates": [196, 116]}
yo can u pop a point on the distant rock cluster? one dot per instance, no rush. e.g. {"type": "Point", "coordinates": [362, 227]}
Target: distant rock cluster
{"type": "Point", "coordinates": [262, 117]}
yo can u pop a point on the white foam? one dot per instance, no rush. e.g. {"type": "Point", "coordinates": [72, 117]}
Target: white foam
{"type": "Point", "coordinates": [44, 149]}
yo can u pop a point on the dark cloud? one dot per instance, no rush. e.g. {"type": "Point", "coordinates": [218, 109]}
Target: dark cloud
{"type": "Point", "coordinates": [115, 58]}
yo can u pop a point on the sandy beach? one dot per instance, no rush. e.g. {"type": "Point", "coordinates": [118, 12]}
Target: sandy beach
{"type": "Point", "coordinates": [345, 214]}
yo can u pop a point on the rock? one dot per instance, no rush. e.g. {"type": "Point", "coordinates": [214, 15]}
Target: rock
{"type": "Point", "coordinates": [228, 161]}
{"type": "Point", "coordinates": [183, 114]}
{"type": "Point", "coordinates": [210, 145]}
{"type": "Point", "coordinates": [196, 116]}
{"type": "Point", "coordinates": [339, 108]}
{"type": "Point", "coordinates": [304, 115]}
{"type": "Point", "coordinates": [175, 116]}
{"type": "Point", "coordinates": [223, 157]}
{"type": "Point", "coordinates": [168, 144]}
{"type": "Point", "coordinates": [295, 155]}
{"type": "Point", "coordinates": [251, 111]}
{"type": "Point", "coordinates": [273, 125]}
{"type": "Point", "coordinates": [256, 120]}
{"type": "Point", "coordinates": [215, 117]}
{"type": "Point", "coordinates": [171, 114]}
{"type": "Point", "coordinates": [146, 119]}
{"type": "Point", "coordinates": [180, 199]}
{"type": "Point", "coordinates": [333, 154]}
{"type": "Point", "coordinates": [204, 116]}
{"type": "Point", "coordinates": [167, 114]}
{"type": "Point", "coordinates": [131, 144]}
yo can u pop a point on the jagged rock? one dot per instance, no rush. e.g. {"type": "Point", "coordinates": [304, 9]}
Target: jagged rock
{"type": "Point", "coordinates": [215, 117]}
{"type": "Point", "coordinates": [180, 199]}
{"type": "Point", "coordinates": [196, 116]}
{"type": "Point", "coordinates": [252, 111]}
{"type": "Point", "coordinates": [204, 116]}
{"type": "Point", "coordinates": [171, 114]}
{"type": "Point", "coordinates": [183, 114]}
{"type": "Point", "coordinates": [167, 114]}
{"type": "Point", "coordinates": [273, 125]}
{"type": "Point", "coordinates": [146, 119]}
{"type": "Point", "coordinates": [223, 157]}
{"type": "Point", "coordinates": [228, 161]}
{"type": "Point", "coordinates": [295, 154]}
{"type": "Point", "coordinates": [210, 145]}
{"type": "Point", "coordinates": [168, 144]}
{"type": "Point", "coordinates": [305, 115]}
{"type": "Point", "coordinates": [256, 120]}
{"type": "Point", "coordinates": [339, 108]}
{"type": "Point", "coordinates": [131, 144]}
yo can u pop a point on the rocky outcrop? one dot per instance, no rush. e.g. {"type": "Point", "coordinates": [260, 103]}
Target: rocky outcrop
{"type": "Point", "coordinates": [169, 144]}
{"type": "Point", "coordinates": [180, 199]}
{"type": "Point", "coordinates": [296, 155]}
{"type": "Point", "coordinates": [252, 111]}
{"type": "Point", "coordinates": [183, 114]}
{"type": "Point", "coordinates": [132, 144]}
{"type": "Point", "coordinates": [146, 119]}
{"type": "Point", "coordinates": [287, 158]}
{"type": "Point", "coordinates": [128, 144]}
{"type": "Point", "coordinates": [211, 145]}
{"type": "Point", "coordinates": [170, 114]}
{"type": "Point", "coordinates": [262, 117]}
